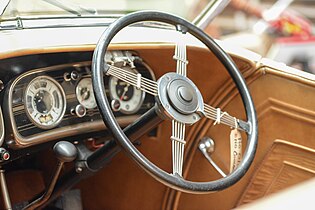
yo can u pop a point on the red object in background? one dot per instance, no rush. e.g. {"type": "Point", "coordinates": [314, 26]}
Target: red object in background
{"type": "Point", "coordinates": [292, 24]}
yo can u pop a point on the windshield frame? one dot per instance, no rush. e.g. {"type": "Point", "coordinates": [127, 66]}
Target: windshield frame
{"type": "Point", "coordinates": [47, 8]}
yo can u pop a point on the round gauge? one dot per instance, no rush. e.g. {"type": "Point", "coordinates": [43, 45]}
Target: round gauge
{"type": "Point", "coordinates": [85, 94]}
{"type": "Point", "coordinates": [45, 102]}
{"type": "Point", "coordinates": [125, 97]}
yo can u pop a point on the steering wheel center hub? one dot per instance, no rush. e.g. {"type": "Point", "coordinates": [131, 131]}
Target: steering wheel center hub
{"type": "Point", "coordinates": [179, 98]}
{"type": "Point", "coordinates": [182, 96]}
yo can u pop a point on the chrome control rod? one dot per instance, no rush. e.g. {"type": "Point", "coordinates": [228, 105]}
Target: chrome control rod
{"type": "Point", "coordinates": [4, 191]}
{"type": "Point", "coordinates": [206, 146]}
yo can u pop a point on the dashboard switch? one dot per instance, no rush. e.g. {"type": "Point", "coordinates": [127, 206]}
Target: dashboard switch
{"type": "Point", "coordinates": [74, 75]}
{"type": "Point", "coordinates": [80, 110]}
{"type": "Point", "coordinates": [4, 154]}
{"type": "Point", "coordinates": [115, 105]}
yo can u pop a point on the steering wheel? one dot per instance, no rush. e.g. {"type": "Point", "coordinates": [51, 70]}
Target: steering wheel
{"type": "Point", "coordinates": [177, 99]}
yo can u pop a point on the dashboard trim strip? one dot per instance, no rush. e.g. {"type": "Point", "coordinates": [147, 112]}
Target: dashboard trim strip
{"type": "Point", "coordinates": [22, 142]}
{"type": "Point", "coordinates": [1, 128]}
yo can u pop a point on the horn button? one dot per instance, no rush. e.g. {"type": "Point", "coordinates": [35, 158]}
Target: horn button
{"type": "Point", "coordinates": [179, 98]}
{"type": "Point", "coordinates": [182, 96]}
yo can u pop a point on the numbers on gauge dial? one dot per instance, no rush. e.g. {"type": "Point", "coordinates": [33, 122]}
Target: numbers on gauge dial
{"type": "Point", "coordinates": [125, 97]}
{"type": "Point", "coordinates": [85, 94]}
{"type": "Point", "coordinates": [45, 102]}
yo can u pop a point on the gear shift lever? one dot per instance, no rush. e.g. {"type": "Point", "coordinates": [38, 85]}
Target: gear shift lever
{"type": "Point", "coordinates": [64, 152]}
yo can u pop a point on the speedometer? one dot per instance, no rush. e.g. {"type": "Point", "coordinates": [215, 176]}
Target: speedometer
{"type": "Point", "coordinates": [45, 102]}
{"type": "Point", "coordinates": [125, 97]}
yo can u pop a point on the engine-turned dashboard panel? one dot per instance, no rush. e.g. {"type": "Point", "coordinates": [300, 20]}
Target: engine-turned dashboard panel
{"type": "Point", "coordinates": [58, 101]}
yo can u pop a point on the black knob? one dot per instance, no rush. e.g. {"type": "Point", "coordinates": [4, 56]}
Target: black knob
{"type": "Point", "coordinates": [65, 151]}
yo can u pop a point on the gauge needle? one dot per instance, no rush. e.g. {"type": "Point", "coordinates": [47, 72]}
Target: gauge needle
{"type": "Point", "coordinates": [84, 96]}
{"type": "Point", "coordinates": [125, 91]}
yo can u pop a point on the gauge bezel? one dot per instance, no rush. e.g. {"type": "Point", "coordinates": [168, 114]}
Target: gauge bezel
{"type": "Point", "coordinates": [63, 97]}
{"type": "Point", "coordinates": [77, 93]}
{"type": "Point", "coordinates": [112, 97]}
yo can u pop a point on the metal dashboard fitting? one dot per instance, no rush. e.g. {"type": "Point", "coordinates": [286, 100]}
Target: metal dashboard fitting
{"type": "Point", "coordinates": [207, 147]}
{"type": "Point", "coordinates": [179, 98]}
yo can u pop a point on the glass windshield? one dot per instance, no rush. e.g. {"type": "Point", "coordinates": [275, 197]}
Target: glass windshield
{"type": "Point", "coordinates": [30, 8]}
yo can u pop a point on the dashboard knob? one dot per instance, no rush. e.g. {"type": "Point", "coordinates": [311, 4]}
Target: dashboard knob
{"type": "Point", "coordinates": [115, 105]}
{"type": "Point", "coordinates": [4, 154]}
{"type": "Point", "coordinates": [80, 110]}
{"type": "Point", "coordinates": [74, 75]}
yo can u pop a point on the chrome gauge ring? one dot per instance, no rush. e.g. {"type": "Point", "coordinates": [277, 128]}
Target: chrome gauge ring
{"type": "Point", "coordinates": [45, 102]}
{"type": "Point", "coordinates": [85, 94]}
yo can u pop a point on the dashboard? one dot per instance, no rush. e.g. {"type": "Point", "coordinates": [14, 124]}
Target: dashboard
{"type": "Point", "coordinates": [57, 101]}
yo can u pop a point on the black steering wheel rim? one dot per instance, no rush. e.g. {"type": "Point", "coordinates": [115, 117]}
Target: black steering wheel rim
{"type": "Point", "coordinates": [175, 182]}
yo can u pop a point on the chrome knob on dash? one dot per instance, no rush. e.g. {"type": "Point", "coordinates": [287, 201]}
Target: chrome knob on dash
{"type": "Point", "coordinates": [80, 110]}
{"type": "Point", "coordinates": [207, 146]}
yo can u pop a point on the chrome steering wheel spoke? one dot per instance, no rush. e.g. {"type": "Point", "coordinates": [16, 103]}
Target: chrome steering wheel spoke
{"type": "Point", "coordinates": [219, 117]}
{"type": "Point", "coordinates": [178, 146]}
{"type": "Point", "coordinates": [181, 56]}
{"type": "Point", "coordinates": [134, 79]}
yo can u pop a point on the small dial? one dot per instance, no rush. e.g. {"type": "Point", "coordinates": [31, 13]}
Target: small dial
{"type": "Point", "coordinates": [45, 102]}
{"type": "Point", "coordinates": [85, 94]}
{"type": "Point", "coordinates": [128, 97]}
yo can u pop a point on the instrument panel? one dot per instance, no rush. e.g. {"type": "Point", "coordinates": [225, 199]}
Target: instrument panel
{"type": "Point", "coordinates": [58, 101]}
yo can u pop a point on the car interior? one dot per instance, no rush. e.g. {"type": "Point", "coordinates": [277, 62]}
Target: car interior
{"type": "Point", "coordinates": [147, 111]}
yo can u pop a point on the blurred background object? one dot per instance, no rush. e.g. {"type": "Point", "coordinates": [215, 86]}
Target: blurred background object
{"type": "Point", "coordinates": [282, 30]}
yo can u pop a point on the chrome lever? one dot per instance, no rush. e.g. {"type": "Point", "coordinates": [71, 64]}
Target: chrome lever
{"type": "Point", "coordinates": [4, 190]}
{"type": "Point", "coordinates": [206, 146]}
{"type": "Point", "coordinates": [65, 152]}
